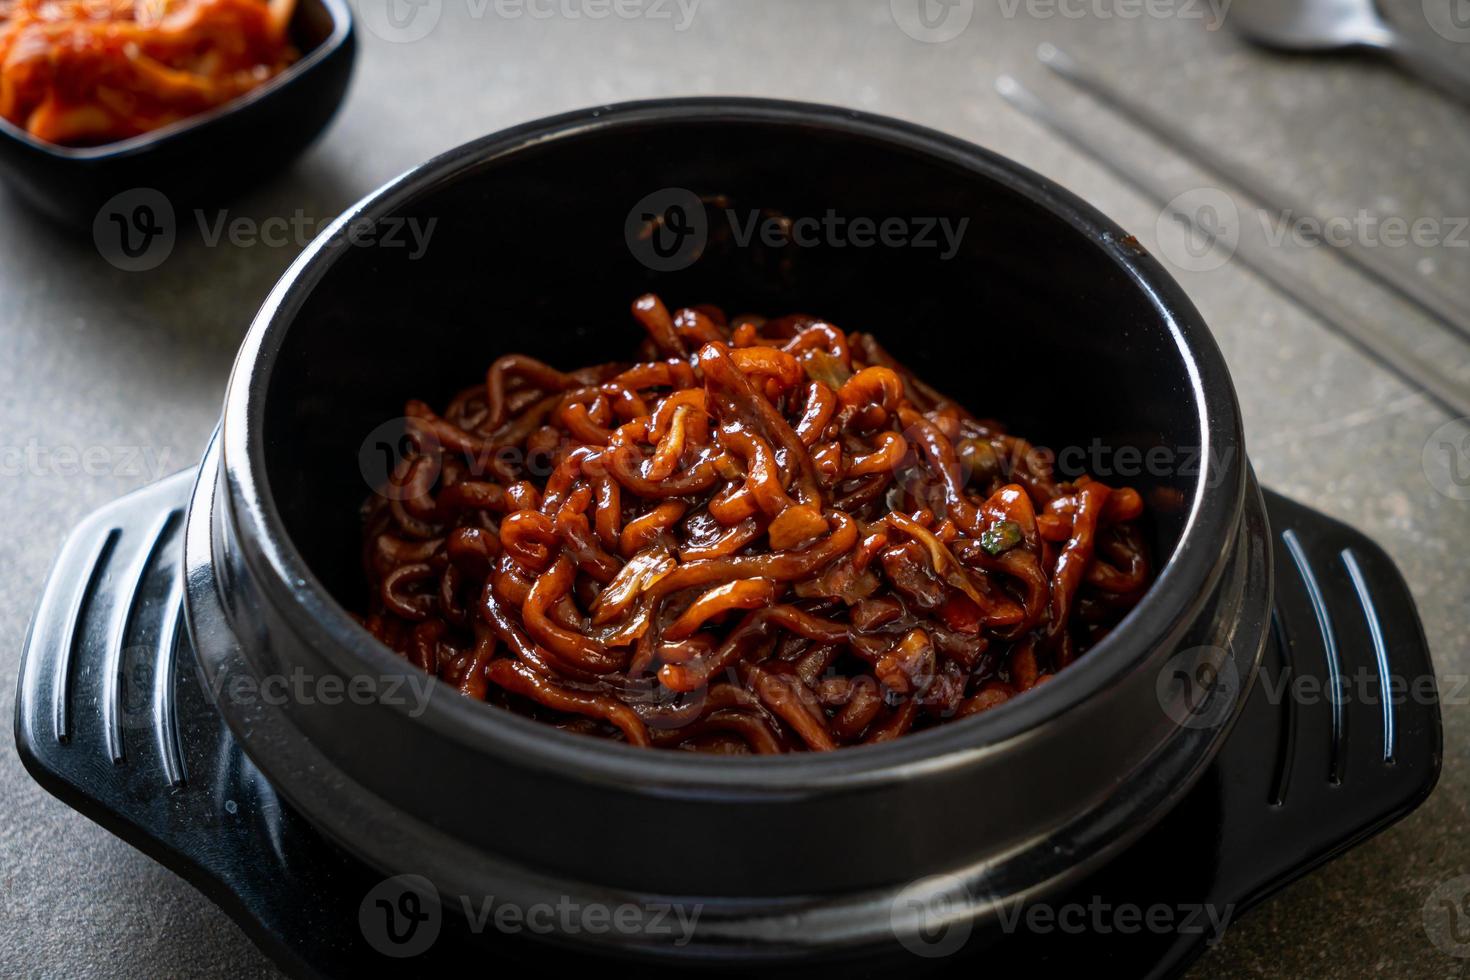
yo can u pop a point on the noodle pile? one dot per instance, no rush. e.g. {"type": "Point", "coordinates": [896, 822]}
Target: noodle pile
{"type": "Point", "coordinates": [87, 72]}
{"type": "Point", "coordinates": [762, 536]}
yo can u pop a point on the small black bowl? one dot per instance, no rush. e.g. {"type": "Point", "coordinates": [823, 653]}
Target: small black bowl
{"type": "Point", "coordinates": [206, 158]}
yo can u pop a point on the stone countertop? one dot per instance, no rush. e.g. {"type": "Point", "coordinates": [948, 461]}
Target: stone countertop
{"type": "Point", "coordinates": [132, 365]}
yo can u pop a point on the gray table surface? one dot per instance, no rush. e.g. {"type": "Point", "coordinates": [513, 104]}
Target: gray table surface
{"type": "Point", "coordinates": [133, 365]}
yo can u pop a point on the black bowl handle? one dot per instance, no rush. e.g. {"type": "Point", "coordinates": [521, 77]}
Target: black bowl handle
{"type": "Point", "coordinates": [1345, 708]}
{"type": "Point", "coordinates": [112, 716]}
{"type": "Point", "coordinates": [111, 613]}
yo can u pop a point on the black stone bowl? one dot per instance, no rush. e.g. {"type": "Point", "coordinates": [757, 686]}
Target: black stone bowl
{"type": "Point", "coordinates": [1041, 312]}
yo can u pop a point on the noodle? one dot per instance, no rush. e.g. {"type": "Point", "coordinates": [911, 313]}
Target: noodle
{"type": "Point", "coordinates": [759, 537]}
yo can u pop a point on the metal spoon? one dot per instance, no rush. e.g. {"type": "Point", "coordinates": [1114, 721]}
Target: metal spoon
{"type": "Point", "coordinates": [1326, 25]}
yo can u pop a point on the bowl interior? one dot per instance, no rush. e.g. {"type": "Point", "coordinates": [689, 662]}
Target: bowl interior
{"type": "Point", "coordinates": [1019, 309]}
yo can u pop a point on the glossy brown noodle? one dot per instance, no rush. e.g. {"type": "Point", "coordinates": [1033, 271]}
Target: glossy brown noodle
{"type": "Point", "coordinates": [761, 536]}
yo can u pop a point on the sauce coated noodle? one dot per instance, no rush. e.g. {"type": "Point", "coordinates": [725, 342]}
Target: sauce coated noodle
{"type": "Point", "coordinates": [760, 536]}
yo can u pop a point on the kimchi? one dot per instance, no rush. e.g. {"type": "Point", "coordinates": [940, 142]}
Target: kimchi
{"type": "Point", "coordinates": [88, 72]}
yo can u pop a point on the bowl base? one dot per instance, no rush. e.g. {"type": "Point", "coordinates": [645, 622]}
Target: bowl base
{"type": "Point", "coordinates": [113, 718]}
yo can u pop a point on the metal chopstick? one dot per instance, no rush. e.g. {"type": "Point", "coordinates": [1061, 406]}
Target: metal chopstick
{"type": "Point", "coordinates": [1449, 392]}
{"type": "Point", "coordinates": [1446, 309]}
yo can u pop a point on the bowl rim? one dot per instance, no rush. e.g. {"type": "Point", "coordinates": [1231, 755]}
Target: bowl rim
{"type": "Point", "coordinates": [342, 28]}
{"type": "Point", "coordinates": [1171, 603]}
